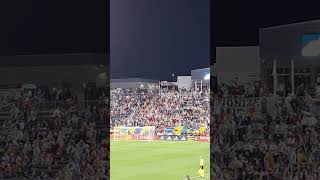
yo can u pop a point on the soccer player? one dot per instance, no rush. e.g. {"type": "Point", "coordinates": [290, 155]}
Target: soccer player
{"type": "Point", "coordinates": [201, 172]}
{"type": "Point", "coordinates": [201, 163]}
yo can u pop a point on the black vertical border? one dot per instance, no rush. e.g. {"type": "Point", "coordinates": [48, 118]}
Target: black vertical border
{"type": "Point", "coordinates": [212, 82]}
{"type": "Point", "coordinates": [108, 89]}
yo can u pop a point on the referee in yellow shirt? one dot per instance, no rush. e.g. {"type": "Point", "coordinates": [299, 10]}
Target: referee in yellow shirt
{"type": "Point", "coordinates": [201, 170]}
{"type": "Point", "coordinates": [201, 163]}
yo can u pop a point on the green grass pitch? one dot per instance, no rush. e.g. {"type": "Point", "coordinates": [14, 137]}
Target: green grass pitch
{"type": "Point", "coordinates": [161, 160]}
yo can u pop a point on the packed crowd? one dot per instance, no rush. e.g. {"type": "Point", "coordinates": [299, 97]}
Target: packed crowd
{"type": "Point", "coordinates": [167, 109]}
{"type": "Point", "coordinates": [126, 101]}
{"type": "Point", "coordinates": [279, 140]}
{"type": "Point", "coordinates": [45, 139]}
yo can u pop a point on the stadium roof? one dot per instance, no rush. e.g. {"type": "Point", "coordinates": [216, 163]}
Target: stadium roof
{"type": "Point", "coordinates": [134, 80]}
{"type": "Point", "coordinates": [293, 24]}
{"type": "Point", "coordinates": [200, 74]}
{"type": "Point", "coordinates": [54, 60]}
{"type": "Point", "coordinates": [201, 69]}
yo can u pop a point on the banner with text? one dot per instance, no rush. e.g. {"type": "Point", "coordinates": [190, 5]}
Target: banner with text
{"type": "Point", "coordinates": [173, 138]}
{"type": "Point", "coordinates": [202, 138]}
{"type": "Point", "coordinates": [240, 104]}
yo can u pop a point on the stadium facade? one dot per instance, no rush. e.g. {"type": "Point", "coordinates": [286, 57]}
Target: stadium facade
{"type": "Point", "coordinates": [245, 60]}
{"type": "Point", "coordinates": [75, 69]}
{"type": "Point", "coordinates": [200, 78]}
{"type": "Point", "coordinates": [298, 43]}
{"type": "Point", "coordinates": [133, 83]}
{"type": "Point", "coordinates": [184, 82]}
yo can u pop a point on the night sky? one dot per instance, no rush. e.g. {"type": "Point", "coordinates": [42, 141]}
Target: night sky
{"type": "Point", "coordinates": [53, 26]}
{"type": "Point", "coordinates": [149, 38]}
{"type": "Point", "coordinates": [155, 38]}
{"type": "Point", "coordinates": [237, 22]}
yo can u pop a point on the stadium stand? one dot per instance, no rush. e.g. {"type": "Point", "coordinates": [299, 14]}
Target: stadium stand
{"type": "Point", "coordinates": [280, 142]}
{"type": "Point", "coordinates": [52, 134]}
{"type": "Point", "coordinates": [136, 108]}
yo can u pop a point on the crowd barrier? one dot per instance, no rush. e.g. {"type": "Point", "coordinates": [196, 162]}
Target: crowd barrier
{"type": "Point", "coordinates": [148, 134]}
{"type": "Point", "coordinates": [137, 137]}
{"type": "Point", "coordinates": [202, 138]}
{"type": "Point", "coordinates": [184, 138]}
{"type": "Point", "coordinates": [134, 137]}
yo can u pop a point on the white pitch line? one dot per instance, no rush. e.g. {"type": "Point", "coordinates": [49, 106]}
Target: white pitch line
{"type": "Point", "coordinates": [196, 177]}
